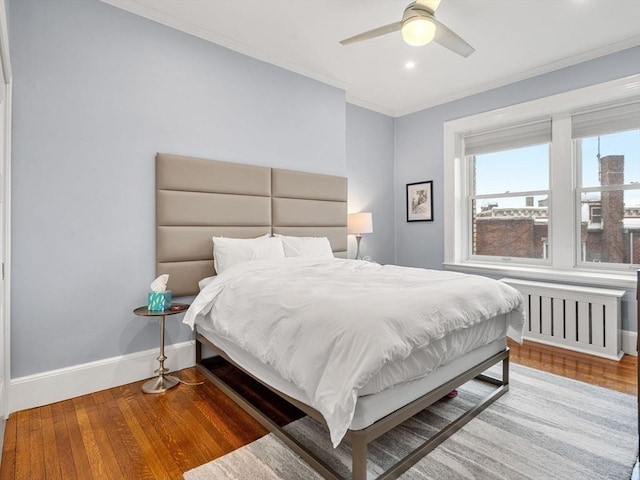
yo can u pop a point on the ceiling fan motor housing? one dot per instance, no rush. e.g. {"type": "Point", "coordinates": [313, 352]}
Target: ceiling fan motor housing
{"type": "Point", "coordinates": [415, 10]}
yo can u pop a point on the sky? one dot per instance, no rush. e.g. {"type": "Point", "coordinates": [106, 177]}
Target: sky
{"type": "Point", "coordinates": [527, 169]}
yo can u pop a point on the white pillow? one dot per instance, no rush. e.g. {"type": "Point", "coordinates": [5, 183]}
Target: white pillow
{"type": "Point", "coordinates": [314, 247]}
{"type": "Point", "coordinates": [231, 251]}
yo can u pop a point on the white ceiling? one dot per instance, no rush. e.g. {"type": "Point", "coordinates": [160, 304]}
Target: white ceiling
{"type": "Point", "coordinates": [514, 39]}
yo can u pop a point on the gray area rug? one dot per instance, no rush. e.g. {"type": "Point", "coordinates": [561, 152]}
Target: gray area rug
{"type": "Point", "coordinates": [545, 427]}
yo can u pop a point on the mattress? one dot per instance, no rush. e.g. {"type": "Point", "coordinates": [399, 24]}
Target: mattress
{"type": "Point", "coordinates": [371, 407]}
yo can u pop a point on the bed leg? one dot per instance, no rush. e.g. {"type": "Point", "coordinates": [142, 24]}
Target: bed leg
{"type": "Point", "coordinates": [505, 371]}
{"type": "Point", "coordinates": [359, 459]}
{"type": "Point", "coordinates": [198, 352]}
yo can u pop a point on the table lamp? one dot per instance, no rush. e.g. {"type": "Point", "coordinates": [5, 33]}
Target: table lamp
{"type": "Point", "coordinates": [357, 224]}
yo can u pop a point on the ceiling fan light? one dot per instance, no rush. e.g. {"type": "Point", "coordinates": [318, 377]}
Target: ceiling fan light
{"type": "Point", "coordinates": [418, 31]}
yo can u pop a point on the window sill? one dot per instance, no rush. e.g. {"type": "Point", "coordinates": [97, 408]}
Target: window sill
{"type": "Point", "coordinates": [583, 277]}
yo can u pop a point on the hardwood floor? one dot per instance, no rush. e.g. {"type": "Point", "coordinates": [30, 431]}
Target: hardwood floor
{"type": "Point", "coordinates": [620, 376]}
{"type": "Point", "coordinates": [122, 433]}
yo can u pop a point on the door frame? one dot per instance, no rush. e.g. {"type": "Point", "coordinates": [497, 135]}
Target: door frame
{"type": "Point", "coordinates": [5, 315]}
{"type": "Point", "coordinates": [5, 230]}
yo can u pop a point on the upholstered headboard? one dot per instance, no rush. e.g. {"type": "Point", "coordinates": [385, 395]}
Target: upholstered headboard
{"type": "Point", "coordinates": [197, 199]}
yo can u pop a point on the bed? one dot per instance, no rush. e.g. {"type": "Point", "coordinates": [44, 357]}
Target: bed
{"type": "Point", "coordinates": [197, 199]}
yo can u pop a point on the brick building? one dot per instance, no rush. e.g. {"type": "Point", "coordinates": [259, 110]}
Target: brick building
{"type": "Point", "coordinates": [610, 230]}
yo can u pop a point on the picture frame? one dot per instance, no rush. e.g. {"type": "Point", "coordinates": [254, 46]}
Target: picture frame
{"type": "Point", "coordinates": [420, 201]}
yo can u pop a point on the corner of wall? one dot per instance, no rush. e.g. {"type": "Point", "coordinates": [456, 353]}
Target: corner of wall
{"type": "Point", "coordinates": [395, 190]}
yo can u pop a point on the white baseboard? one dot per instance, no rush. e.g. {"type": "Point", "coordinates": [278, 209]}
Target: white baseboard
{"type": "Point", "coordinates": [57, 385]}
{"type": "Point", "coordinates": [629, 340]}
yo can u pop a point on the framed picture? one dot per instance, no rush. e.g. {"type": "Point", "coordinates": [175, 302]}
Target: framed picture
{"type": "Point", "coordinates": [420, 202]}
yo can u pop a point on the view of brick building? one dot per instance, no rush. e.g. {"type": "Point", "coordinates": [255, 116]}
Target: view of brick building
{"type": "Point", "coordinates": [610, 230]}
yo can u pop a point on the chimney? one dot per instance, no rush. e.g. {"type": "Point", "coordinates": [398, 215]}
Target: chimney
{"type": "Point", "coordinates": [612, 170]}
{"type": "Point", "coordinates": [612, 204]}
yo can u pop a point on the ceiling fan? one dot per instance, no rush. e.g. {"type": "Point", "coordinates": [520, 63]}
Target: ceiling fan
{"type": "Point", "coordinates": [419, 27]}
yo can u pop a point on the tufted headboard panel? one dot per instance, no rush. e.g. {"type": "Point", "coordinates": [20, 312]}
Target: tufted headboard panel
{"type": "Point", "coordinates": [197, 199]}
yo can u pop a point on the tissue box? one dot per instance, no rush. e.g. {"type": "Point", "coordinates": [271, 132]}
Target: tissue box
{"type": "Point", "coordinates": [159, 301]}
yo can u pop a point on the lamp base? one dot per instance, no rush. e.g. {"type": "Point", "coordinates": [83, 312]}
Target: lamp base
{"type": "Point", "coordinates": [160, 384]}
{"type": "Point", "coordinates": [358, 238]}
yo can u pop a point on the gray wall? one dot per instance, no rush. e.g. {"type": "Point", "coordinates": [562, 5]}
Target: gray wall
{"type": "Point", "coordinates": [419, 149]}
{"type": "Point", "coordinates": [370, 150]}
{"type": "Point", "coordinates": [97, 92]}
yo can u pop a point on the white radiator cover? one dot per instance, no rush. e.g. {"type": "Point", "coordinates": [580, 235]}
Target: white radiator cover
{"type": "Point", "coordinates": [584, 319]}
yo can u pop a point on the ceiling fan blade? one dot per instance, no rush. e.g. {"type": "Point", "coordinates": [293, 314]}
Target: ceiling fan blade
{"type": "Point", "coordinates": [430, 4]}
{"type": "Point", "coordinates": [451, 40]}
{"type": "Point", "coordinates": [376, 32]}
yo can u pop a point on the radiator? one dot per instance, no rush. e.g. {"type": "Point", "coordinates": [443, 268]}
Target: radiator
{"type": "Point", "coordinates": [583, 319]}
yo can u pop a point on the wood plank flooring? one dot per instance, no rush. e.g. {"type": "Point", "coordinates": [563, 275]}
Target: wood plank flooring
{"type": "Point", "coordinates": [620, 376]}
{"type": "Point", "coordinates": [122, 433]}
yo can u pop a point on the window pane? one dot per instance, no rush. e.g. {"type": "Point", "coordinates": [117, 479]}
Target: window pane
{"type": "Point", "coordinates": [619, 159]}
{"type": "Point", "coordinates": [518, 170]}
{"type": "Point", "coordinates": [610, 227]}
{"type": "Point", "coordinates": [511, 227]}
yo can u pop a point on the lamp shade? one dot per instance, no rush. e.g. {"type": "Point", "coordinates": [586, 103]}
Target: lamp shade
{"type": "Point", "coordinates": [359, 223]}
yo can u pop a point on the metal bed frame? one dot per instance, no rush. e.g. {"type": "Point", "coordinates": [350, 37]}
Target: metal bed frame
{"type": "Point", "coordinates": [359, 439]}
{"type": "Point", "coordinates": [199, 198]}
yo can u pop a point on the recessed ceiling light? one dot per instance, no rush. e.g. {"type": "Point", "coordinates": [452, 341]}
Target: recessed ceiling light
{"type": "Point", "coordinates": [410, 65]}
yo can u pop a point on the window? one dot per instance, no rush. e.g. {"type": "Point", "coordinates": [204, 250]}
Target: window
{"type": "Point", "coordinates": [607, 151]}
{"type": "Point", "coordinates": [595, 213]}
{"type": "Point", "coordinates": [509, 191]}
{"type": "Point", "coordinates": [547, 189]}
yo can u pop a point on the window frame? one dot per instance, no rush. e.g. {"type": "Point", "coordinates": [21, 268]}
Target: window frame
{"type": "Point", "coordinates": [564, 242]}
{"type": "Point", "coordinates": [581, 190]}
{"type": "Point", "coordinates": [471, 196]}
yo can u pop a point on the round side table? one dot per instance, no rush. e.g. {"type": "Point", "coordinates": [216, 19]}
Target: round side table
{"type": "Point", "coordinates": [162, 382]}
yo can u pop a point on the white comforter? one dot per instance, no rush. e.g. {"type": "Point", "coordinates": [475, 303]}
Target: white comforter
{"type": "Point", "coordinates": [328, 326]}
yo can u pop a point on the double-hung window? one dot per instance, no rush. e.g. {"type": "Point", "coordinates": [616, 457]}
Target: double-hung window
{"type": "Point", "coordinates": [606, 145]}
{"type": "Point", "coordinates": [548, 189]}
{"type": "Point", "coordinates": [508, 192]}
